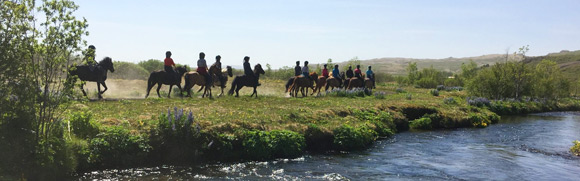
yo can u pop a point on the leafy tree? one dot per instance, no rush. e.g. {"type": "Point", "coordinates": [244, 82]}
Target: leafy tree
{"type": "Point", "coordinates": [34, 58]}
{"type": "Point", "coordinates": [151, 65]}
{"type": "Point", "coordinates": [413, 72]}
{"type": "Point", "coordinates": [549, 81]}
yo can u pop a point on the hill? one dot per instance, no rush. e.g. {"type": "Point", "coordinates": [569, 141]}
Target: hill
{"type": "Point", "coordinates": [569, 62]}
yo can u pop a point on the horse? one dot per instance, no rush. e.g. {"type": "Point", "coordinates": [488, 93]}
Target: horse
{"type": "Point", "coordinates": [355, 82]}
{"type": "Point", "coordinates": [301, 83]}
{"type": "Point", "coordinates": [99, 74]}
{"type": "Point", "coordinates": [222, 80]}
{"type": "Point", "coordinates": [368, 83]}
{"type": "Point", "coordinates": [332, 83]}
{"type": "Point", "coordinates": [249, 81]}
{"type": "Point", "coordinates": [161, 77]}
{"type": "Point", "coordinates": [194, 78]}
{"type": "Point", "coordinates": [321, 82]}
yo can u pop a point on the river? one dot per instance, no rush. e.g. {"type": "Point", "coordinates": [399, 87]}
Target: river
{"type": "Point", "coordinates": [532, 147]}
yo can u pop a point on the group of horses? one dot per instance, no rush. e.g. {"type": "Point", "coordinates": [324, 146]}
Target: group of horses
{"type": "Point", "coordinates": [316, 83]}
{"type": "Point", "coordinates": [219, 78]}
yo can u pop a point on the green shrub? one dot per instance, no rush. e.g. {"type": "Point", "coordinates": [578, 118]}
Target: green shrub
{"type": "Point", "coordinates": [382, 121]}
{"type": "Point", "coordinates": [434, 92]}
{"type": "Point", "coordinates": [400, 90]}
{"type": "Point", "coordinates": [449, 100]}
{"type": "Point", "coordinates": [262, 145]}
{"type": "Point", "coordinates": [427, 82]}
{"type": "Point", "coordinates": [576, 148]}
{"type": "Point", "coordinates": [349, 138]}
{"type": "Point", "coordinates": [478, 120]}
{"type": "Point", "coordinates": [409, 96]}
{"type": "Point", "coordinates": [82, 125]}
{"type": "Point", "coordinates": [177, 138]}
{"type": "Point", "coordinates": [317, 139]}
{"type": "Point", "coordinates": [421, 123]}
{"type": "Point", "coordinates": [117, 147]}
{"type": "Point", "coordinates": [287, 144]}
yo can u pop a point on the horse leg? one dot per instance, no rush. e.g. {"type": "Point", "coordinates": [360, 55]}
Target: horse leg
{"type": "Point", "coordinates": [83, 89]}
{"type": "Point", "coordinates": [203, 86]}
{"type": "Point", "coordinates": [255, 92]}
{"type": "Point", "coordinates": [180, 90]}
{"type": "Point", "coordinates": [105, 86]}
{"type": "Point", "coordinates": [237, 90]}
{"type": "Point", "coordinates": [169, 95]}
{"type": "Point", "coordinates": [158, 87]}
{"type": "Point", "coordinates": [99, 90]}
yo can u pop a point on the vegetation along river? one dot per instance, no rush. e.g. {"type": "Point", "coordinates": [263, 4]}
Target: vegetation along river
{"type": "Point", "coordinates": [532, 147]}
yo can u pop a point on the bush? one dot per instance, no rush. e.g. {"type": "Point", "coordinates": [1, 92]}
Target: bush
{"type": "Point", "coordinates": [400, 90]}
{"type": "Point", "coordinates": [576, 148]}
{"type": "Point", "coordinates": [449, 100]}
{"type": "Point", "coordinates": [440, 87]}
{"type": "Point", "coordinates": [317, 139]}
{"type": "Point", "coordinates": [382, 121]}
{"type": "Point", "coordinates": [427, 83]}
{"type": "Point", "coordinates": [478, 120]}
{"type": "Point", "coordinates": [262, 145]}
{"type": "Point", "coordinates": [356, 92]}
{"type": "Point", "coordinates": [380, 95]}
{"type": "Point", "coordinates": [478, 101]}
{"type": "Point", "coordinates": [421, 123]}
{"type": "Point", "coordinates": [177, 137]}
{"type": "Point", "coordinates": [409, 96]}
{"type": "Point", "coordinates": [117, 147]}
{"type": "Point", "coordinates": [348, 138]}
{"type": "Point", "coordinates": [83, 126]}
{"type": "Point", "coordinates": [434, 92]}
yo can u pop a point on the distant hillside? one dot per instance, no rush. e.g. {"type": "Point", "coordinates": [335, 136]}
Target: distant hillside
{"type": "Point", "coordinates": [396, 66]}
{"type": "Point", "coordinates": [569, 62]}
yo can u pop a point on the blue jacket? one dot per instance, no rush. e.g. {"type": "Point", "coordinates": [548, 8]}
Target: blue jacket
{"type": "Point", "coordinates": [370, 74]}
{"type": "Point", "coordinates": [336, 73]}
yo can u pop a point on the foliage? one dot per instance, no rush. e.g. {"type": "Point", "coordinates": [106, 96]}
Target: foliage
{"type": "Point", "coordinates": [441, 87]}
{"type": "Point", "coordinates": [176, 137]}
{"type": "Point", "coordinates": [83, 125]}
{"type": "Point", "coordinates": [434, 92]}
{"type": "Point", "coordinates": [478, 120]}
{"type": "Point", "coordinates": [38, 44]}
{"type": "Point", "coordinates": [116, 147]}
{"type": "Point", "coordinates": [449, 100]}
{"type": "Point", "coordinates": [409, 96]}
{"type": "Point", "coordinates": [260, 145]}
{"type": "Point", "coordinates": [478, 101]}
{"type": "Point", "coordinates": [349, 138]}
{"type": "Point", "coordinates": [317, 139]}
{"type": "Point", "coordinates": [576, 148]}
{"type": "Point", "coordinates": [400, 90]}
{"type": "Point", "coordinates": [151, 65]}
{"type": "Point", "coordinates": [130, 71]}
{"type": "Point", "coordinates": [380, 95]}
{"type": "Point", "coordinates": [421, 123]}
{"type": "Point", "coordinates": [356, 92]}
{"type": "Point", "coordinates": [549, 82]}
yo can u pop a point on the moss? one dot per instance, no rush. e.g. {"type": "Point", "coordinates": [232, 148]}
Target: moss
{"type": "Point", "coordinates": [348, 138]}
{"type": "Point", "coordinates": [421, 123]}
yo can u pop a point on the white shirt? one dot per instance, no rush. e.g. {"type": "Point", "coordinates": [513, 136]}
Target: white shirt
{"type": "Point", "coordinates": [201, 63]}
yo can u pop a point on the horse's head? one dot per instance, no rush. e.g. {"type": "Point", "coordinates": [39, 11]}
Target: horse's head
{"type": "Point", "coordinates": [314, 76]}
{"type": "Point", "coordinates": [107, 63]}
{"type": "Point", "coordinates": [181, 70]}
{"type": "Point", "coordinates": [230, 71]}
{"type": "Point", "coordinates": [258, 69]}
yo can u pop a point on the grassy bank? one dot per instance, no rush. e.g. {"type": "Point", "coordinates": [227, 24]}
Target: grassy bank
{"type": "Point", "coordinates": [272, 125]}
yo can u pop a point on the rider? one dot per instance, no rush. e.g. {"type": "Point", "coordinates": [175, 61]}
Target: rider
{"type": "Point", "coordinates": [202, 68]}
{"type": "Point", "coordinates": [297, 69]}
{"type": "Point", "coordinates": [336, 74]}
{"type": "Point", "coordinates": [169, 64]}
{"type": "Point", "coordinates": [218, 66]}
{"type": "Point", "coordinates": [371, 75]}
{"type": "Point", "coordinates": [357, 72]}
{"type": "Point", "coordinates": [325, 72]}
{"type": "Point", "coordinates": [349, 73]}
{"type": "Point", "coordinates": [90, 57]}
{"type": "Point", "coordinates": [305, 70]}
{"type": "Point", "coordinates": [248, 69]}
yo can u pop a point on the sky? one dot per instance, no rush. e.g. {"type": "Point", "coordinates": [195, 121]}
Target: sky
{"type": "Point", "coordinates": [278, 32]}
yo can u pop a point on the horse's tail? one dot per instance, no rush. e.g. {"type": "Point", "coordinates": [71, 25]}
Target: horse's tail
{"type": "Point", "coordinates": [234, 83]}
{"type": "Point", "coordinates": [289, 83]}
{"type": "Point", "coordinates": [187, 83]}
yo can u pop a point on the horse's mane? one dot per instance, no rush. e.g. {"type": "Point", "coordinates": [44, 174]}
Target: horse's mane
{"type": "Point", "coordinates": [106, 60]}
{"type": "Point", "coordinates": [313, 73]}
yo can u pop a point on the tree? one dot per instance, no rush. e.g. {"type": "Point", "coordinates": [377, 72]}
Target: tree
{"type": "Point", "coordinates": [549, 83]}
{"type": "Point", "coordinates": [151, 65]}
{"type": "Point", "coordinates": [413, 72]}
{"type": "Point", "coordinates": [35, 57]}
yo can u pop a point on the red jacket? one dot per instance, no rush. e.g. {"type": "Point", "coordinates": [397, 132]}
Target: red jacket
{"type": "Point", "coordinates": [325, 72]}
{"type": "Point", "coordinates": [357, 71]}
{"type": "Point", "coordinates": [168, 62]}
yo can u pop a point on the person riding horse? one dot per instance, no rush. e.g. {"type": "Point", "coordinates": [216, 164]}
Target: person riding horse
{"type": "Point", "coordinates": [325, 71]}
{"type": "Point", "coordinates": [349, 73]}
{"type": "Point", "coordinates": [371, 75]}
{"type": "Point", "coordinates": [248, 69]}
{"type": "Point", "coordinates": [306, 70]}
{"type": "Point", "coordinates": [358, 72]}
{"type": "Point", "coordinates": [90, 57]}
{"type": "Point", "coordinates": [336, 75]}
{"type": "Point", "coordinates": [218, 66]}
{"type": "Point", "coordinates": [202, 69]}
{"type": "Point", "coordinates": [169, 65]}
{"type": "Point", "coordinates": [297, 69]}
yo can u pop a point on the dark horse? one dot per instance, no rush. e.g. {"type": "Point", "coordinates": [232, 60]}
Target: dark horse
{"type": "Point", "coordinates": [249, 81]}
{"type": "Point", "coordinates": [160, 77]}
{"type": "Point", "coordinates": [99, 74]}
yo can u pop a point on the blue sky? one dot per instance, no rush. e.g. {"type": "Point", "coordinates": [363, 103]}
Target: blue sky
{"type": "Point", "coordinates": [280, 32]}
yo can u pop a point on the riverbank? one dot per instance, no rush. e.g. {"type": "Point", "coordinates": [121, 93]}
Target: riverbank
{"type": "Point", "coordinates": [271, 126]}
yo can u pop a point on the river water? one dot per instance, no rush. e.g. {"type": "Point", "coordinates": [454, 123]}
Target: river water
{"type": "Point", "coordinates": [532, 147]}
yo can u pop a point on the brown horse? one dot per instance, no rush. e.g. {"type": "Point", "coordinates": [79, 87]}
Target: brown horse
{"type": "Point", "coordinates": [99, 75]}
{"type": "Point", "coordinates": [332, 83]}
{"type": "Point", "coordinates": [354, 83]}
{"type": "Point", "coordinates": [321, 82]}
{"type": "Point", "coordinates": [368, 83]}
{"type": "Point", "coordinates": [194, 78]}
{"type": "Point", "coordinates": [301, 83]}
{"type": "Point", "coordinates": [221, 78]}
{"type": "Point", "coordinates": [160, 77]}
{"type": "Point", "coordinates": [248, 81]}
